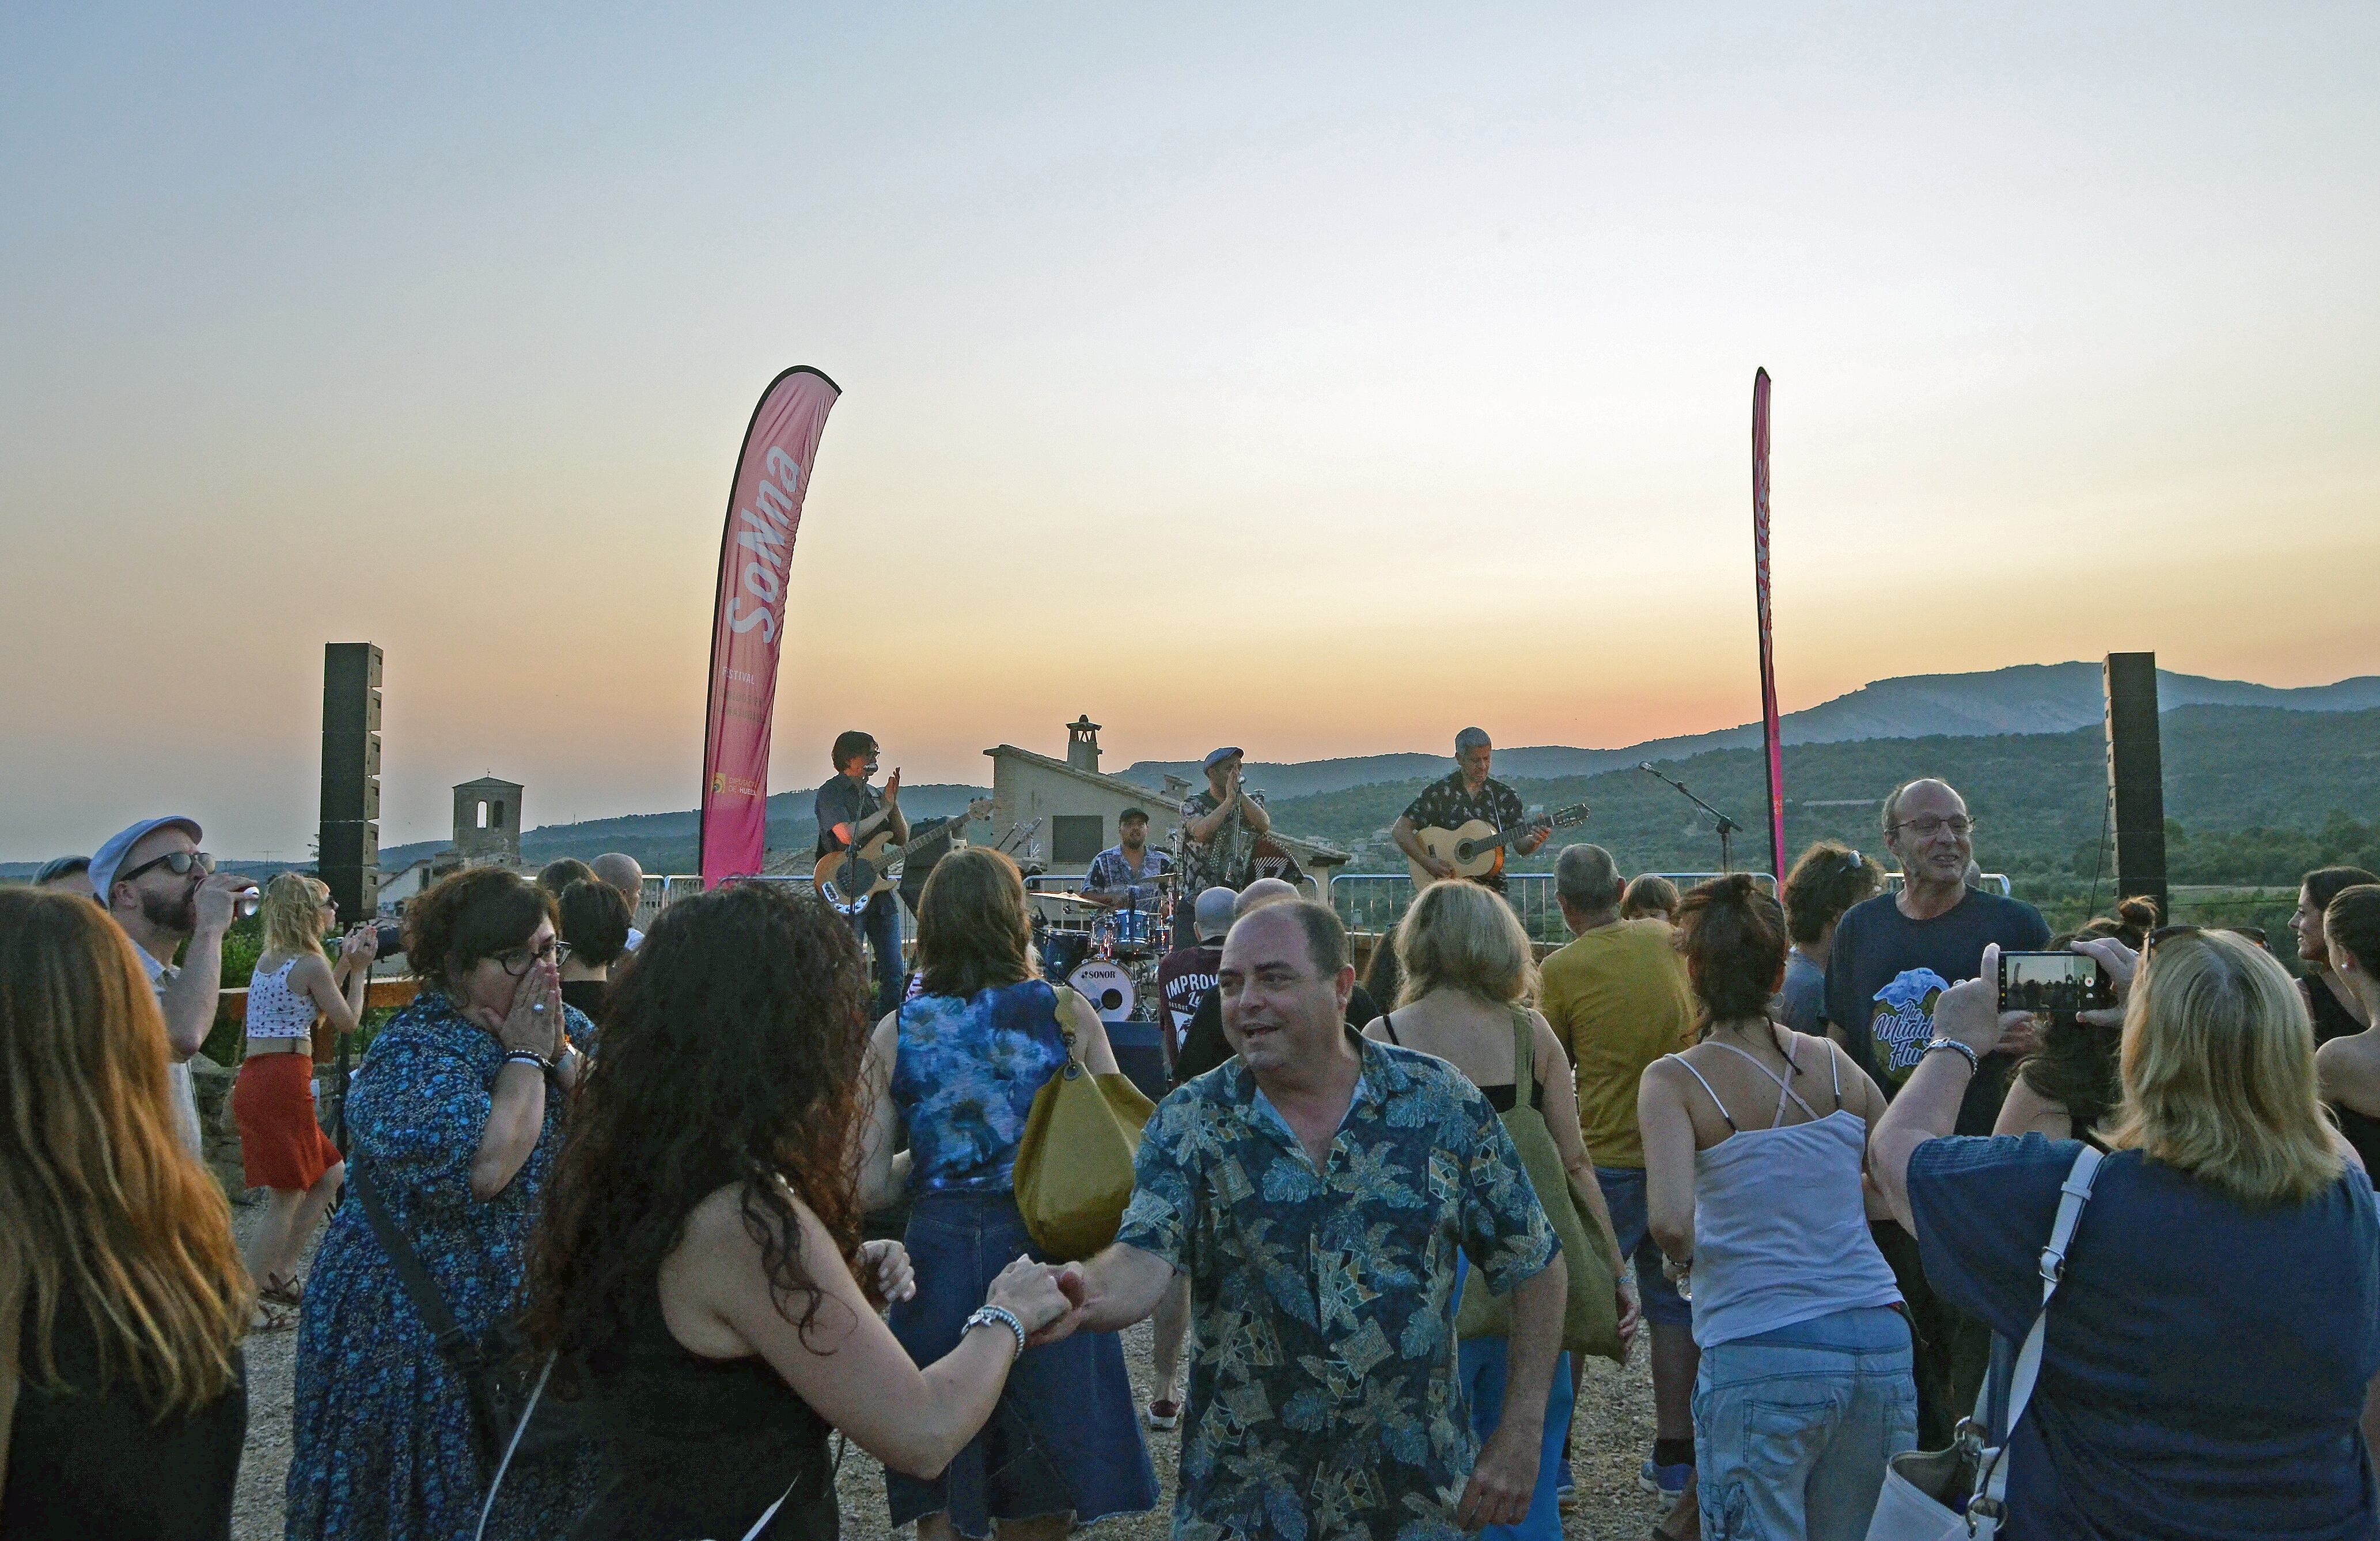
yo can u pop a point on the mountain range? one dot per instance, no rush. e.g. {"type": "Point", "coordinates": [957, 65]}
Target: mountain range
{"type": "Point", "coordinates": [2025, 698]}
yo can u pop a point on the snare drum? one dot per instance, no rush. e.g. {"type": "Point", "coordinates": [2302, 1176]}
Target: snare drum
{"type": "Point", "coordinates": [1108, 987]}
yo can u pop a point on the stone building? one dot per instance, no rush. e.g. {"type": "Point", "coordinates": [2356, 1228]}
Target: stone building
{"type": "Point", "coordinates": [1070, 808]}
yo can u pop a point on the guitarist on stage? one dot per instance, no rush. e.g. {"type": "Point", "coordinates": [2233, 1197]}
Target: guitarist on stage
{"type": "Point", "coordinates": [1468, 794]}
{"type": "Point", "coordinates": [849, 813]}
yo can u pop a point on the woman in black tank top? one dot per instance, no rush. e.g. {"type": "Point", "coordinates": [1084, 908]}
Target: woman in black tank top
{"type": "Point", "coordinates": [698, 1264]}
{"type": "Point", "coordinates": [2349, 1067]}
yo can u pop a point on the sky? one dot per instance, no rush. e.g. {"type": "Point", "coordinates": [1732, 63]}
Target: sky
{"type": "Point", "coordinates": [1319, 380]}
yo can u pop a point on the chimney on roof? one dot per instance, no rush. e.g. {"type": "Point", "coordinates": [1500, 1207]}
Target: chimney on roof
{"type": "Point", "coordinates": [1083, 744]}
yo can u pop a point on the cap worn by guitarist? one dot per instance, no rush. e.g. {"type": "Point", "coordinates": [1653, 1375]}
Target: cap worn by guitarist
{"type": "Point", "coordinates": [850, 814]}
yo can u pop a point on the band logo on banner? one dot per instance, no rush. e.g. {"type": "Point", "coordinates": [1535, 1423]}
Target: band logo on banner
{"type": "Point", "coordinates": [748, 625]}
{"type": "Point", "coordinates": [1770, 738]}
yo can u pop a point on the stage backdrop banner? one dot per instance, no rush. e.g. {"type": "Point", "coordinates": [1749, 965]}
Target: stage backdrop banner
{"type": "Point", "coordinates": [748, 625]}
{"type": "Point", "coordinates": [1770, 737]}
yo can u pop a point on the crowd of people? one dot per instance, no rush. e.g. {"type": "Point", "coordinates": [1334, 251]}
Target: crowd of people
{"type": "Point", "coordinates": [597, 1265]}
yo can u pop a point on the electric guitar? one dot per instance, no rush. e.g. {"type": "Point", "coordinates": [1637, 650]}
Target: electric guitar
{"type": "Point", "coordinates": [1476, 850]}
{"type": "Point", "coordinates": [848, 880]}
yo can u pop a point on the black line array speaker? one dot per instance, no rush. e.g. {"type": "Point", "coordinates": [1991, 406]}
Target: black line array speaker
{"type": "Point", "coordinates": [2136, 777]}
{"type": "Point", "coordinates": [348, 855]}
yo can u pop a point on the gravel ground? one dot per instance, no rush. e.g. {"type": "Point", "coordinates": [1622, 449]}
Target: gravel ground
{"type": "Point", "coordinates": [1614, 1427]}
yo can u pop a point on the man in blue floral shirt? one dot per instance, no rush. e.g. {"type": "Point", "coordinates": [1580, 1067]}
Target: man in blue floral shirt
{"type": "Point", "coordinates": [1316, 1191]}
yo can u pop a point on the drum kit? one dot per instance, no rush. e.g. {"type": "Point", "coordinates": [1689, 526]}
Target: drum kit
{"type": "Point", "coordinates": [1111, 957]}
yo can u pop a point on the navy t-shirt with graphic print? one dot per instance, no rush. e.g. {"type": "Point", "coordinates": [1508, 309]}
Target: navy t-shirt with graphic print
{"type": "Point", "coordinates": [1885, 972]}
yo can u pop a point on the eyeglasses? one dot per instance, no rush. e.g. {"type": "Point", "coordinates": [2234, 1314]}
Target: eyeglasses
{"type": "Point", "coordinates": [1852, 863]}
{"type": "Point", "coordinates": [519, 960]}
{"type": "Point", "coordinates": [1929, 827]}
{"type": "Point", "coordinates": [178, 863]}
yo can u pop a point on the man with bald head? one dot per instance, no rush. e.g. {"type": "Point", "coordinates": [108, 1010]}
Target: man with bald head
{"type": "Point", "coordinates": [620, 871]}
{"type": "Point", "coordinates": [1204, 1045]}
{"type": "Point", "coordinates": [1315, 1192]}
{"type": "Point", "coordinates": [1893, 957]}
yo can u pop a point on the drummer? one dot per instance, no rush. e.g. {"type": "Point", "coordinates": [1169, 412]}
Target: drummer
{"type": "Point", "coordinates": [1128, 875]}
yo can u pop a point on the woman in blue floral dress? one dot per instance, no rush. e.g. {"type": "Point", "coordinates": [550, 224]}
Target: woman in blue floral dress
{"type": "Point", "coordinates": [453, 1118]}
{"type": "Point", "coordinates": [957, 1069]}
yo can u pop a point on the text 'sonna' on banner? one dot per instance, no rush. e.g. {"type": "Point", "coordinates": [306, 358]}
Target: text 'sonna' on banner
{"type": "Point", "coordinates": [748, 625]}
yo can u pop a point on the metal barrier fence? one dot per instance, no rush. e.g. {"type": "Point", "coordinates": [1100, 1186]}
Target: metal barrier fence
{"type": "Point", "coordinates": [1376, 901]}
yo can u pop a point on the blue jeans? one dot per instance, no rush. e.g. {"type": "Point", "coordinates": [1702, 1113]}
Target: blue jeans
{"type": "Point", "coordinates": [1793, 1427]}
{"type": "Point", "coordinates": [1480, 1366]}
{"type": "Point", "coordinates": [1623, 1195]}
{"type": "Point", "coordinates": [880, 926]}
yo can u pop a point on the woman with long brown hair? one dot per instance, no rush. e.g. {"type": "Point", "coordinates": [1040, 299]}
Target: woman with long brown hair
{"type": "Point", "coordinates": [122, 1299]}
{"type": "Point", "coordinates": [957, 1069]}
{"type": "Point", "coordinates": [282, 1147]}
{"type": "Point", "coordinates": [700, 1254]}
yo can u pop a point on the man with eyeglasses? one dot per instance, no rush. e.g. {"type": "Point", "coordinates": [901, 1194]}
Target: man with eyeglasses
{"type": "Point", "coordinates": [164, 892]}
{"type": "Point", "coordinates": [1893, 957]}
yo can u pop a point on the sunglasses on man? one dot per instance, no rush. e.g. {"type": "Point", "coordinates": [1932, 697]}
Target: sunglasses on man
{"type": "Point", "coordinates": [179, 863]}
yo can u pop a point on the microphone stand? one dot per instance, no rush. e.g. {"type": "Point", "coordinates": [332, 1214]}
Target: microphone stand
{"type": "Point", "coordinates": [1726, 826]}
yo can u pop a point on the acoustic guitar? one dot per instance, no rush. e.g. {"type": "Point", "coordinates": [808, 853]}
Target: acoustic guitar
{"type": "Point", "coordinates": [1476, 850]}
{"type": "Point", "coordinates": [848, 880]}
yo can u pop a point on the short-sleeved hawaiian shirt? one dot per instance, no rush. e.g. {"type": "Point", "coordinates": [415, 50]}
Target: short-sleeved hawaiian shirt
{"type": "Point", "coordinates": [1324, 1402]}
{"type": "Point", "coordinates": [1448, 804]}
{"type": "Point", "coordinates": [1112, 870]}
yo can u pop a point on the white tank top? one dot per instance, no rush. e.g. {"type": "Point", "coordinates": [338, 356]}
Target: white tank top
{"type": "Point", "coordinates": [273, 1011]}
{"type": "Point", "coordinates": [1780, 1235]}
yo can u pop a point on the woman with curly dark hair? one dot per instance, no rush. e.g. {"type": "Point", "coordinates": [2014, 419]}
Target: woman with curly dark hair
{"type": "Point", "coordinates": [957, 1069]}
{"type": "Point", "coordinates": [1828, 879]}
{"type": "Point", "coordinates": [453, 1122]}
{"type": "Point", "coordinates": [2067, 1086]}
{"type": "Point", "coordinates": [701, 1255]}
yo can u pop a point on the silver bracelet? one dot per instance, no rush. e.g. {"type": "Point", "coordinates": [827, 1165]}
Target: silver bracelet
{"type": "Point", "coordinates": [989, 1316]}
{"type": "Point", "coordinates": [1974, 1066]}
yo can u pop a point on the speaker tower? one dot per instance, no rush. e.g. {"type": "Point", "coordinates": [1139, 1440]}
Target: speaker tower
{"type": "Point", "coordinates": [348, 854]}
{"type": "Point", "coordinates": [2136, 777]}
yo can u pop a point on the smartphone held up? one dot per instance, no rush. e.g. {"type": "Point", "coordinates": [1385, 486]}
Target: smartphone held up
{"type": "Point", "coordinates": [2062, 983]}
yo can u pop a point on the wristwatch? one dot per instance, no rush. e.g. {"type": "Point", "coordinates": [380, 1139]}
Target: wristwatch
{"type": "Point", "coordinates": [996, 1316]}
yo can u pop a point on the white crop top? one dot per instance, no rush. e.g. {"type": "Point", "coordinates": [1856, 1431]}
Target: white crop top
{"type": "Point", "coordinates": [273, 1011]}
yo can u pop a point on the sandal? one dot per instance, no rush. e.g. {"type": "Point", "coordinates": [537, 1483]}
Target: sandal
{"type": "Point", "coordinates": [283, 1291]}
{"type": "Point", "coordinates": [271, 1319]}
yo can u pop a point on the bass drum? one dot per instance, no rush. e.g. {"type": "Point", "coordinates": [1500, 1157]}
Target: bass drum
{"type": "Point", "coordinates": [1108, 987]}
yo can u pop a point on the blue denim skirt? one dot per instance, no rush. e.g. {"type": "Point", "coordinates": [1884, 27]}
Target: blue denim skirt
{"type": "Point", "coordinates": [1066, 1434]}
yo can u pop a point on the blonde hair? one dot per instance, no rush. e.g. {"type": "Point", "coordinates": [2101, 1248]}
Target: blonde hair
{"type": "Point", "coordinates": [1460, 935]}
{"type": "Point", "coordinates": [2219, 1077]}
{"type": "Point", "coordinates": [102, 1211]}
{"type": "Point", "coordinates": [292, 913]}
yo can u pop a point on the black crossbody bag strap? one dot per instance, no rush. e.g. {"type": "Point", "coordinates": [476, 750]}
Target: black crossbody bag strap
{"type": "Point", "coordinates": [453, 1344]}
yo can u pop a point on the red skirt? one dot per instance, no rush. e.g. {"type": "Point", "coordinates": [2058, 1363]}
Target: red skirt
{"type": "Point", "coordinates": [280, 1143]}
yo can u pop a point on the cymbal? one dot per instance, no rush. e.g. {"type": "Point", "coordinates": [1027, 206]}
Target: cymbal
{"type": "Point", "coordinates": [1056, 897]}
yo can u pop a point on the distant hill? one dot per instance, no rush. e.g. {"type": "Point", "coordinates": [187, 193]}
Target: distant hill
{"type": "Point", "coordinates": [665, 841]}
{"type": "Point", "coordinates": [2028, 699]}
{"type": "Point", "coordinates": [2038, 797]}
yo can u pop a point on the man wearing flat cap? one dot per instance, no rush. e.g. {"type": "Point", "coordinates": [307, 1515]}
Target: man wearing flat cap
{"type": "Point", "coordinates": [1220, 827]}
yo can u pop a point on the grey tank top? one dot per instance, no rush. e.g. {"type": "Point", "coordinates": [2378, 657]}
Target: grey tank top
{"type": "Point", "coordinates": [1780, 1232]}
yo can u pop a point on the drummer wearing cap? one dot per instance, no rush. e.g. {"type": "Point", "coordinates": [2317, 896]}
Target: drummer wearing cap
{"type": "Point", "coordinates": [1220, 827]}
{"type": "Point", "coordinates": [164, 892]}
{"type": "Point", "coordinates": [1124, 876]}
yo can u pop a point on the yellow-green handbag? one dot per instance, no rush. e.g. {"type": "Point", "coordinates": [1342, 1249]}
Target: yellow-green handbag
{"type": "Point", "coordinates": [1590, 1315]}
{"type": "Point", "coordinates": [1074, 1166]}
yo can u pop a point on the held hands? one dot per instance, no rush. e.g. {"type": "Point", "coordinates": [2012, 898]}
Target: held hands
{"type": "Point", "coordinates": [1034, 1292]}
{"type": "Point", "coordinates": [897, 1280]}
{"type": "Point", "coordinates": [534, 1024]}
{"type": "Point", "coordinates": [1970, 1013]}
{"type": "Point", "coordinates": [1623, 1293]}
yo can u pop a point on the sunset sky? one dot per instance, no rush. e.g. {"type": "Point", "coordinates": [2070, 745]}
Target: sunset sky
{"type": "Point", "coordinates": [1317, 379]}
